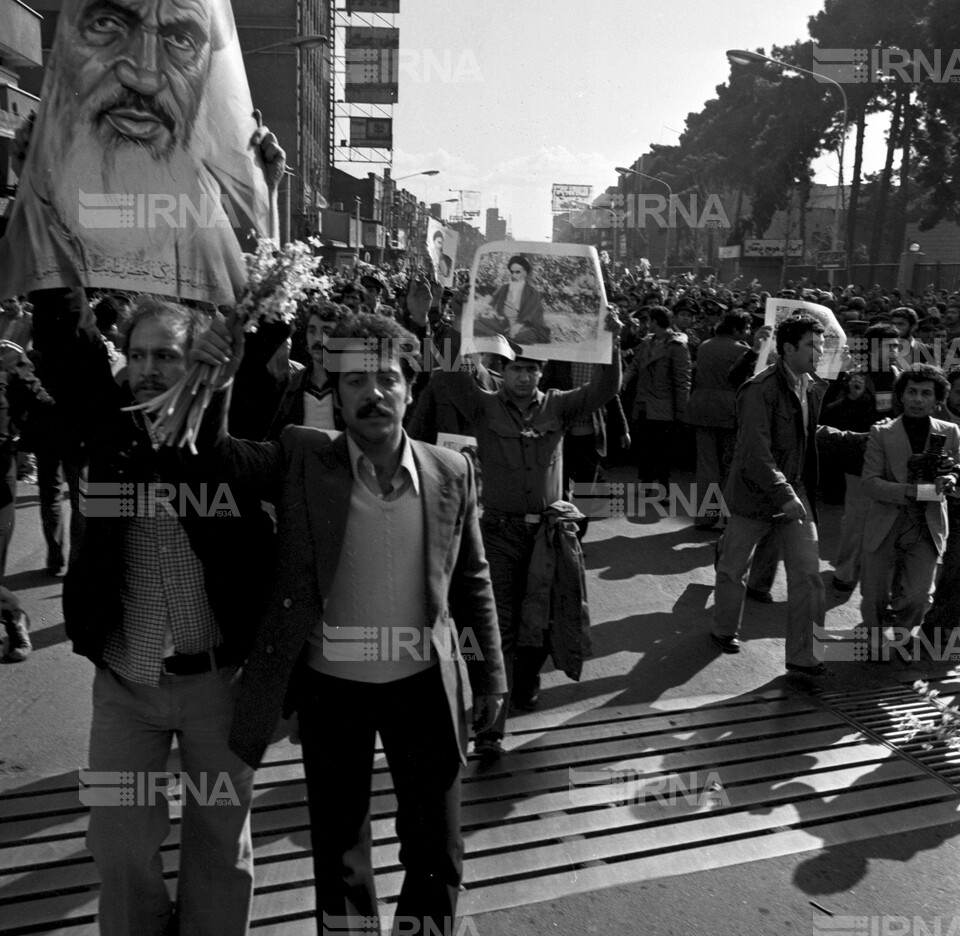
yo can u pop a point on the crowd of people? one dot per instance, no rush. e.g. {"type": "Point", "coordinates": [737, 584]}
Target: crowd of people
{"type": "Point", "coordinates": [345, 518]}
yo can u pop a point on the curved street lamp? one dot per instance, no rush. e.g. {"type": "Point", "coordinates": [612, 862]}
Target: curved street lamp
{"type": "Point", "coordinates": [309, 41]}
{"type": "Point", "coordinates": [426, 172]}
{"type": "Point", "coordinates": [666, 248]}
{"type": "Point", "coordinates": [744, 57]}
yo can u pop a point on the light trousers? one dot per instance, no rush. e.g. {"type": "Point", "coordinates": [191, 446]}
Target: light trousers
{"type": "Point", "coordinates": [132, 732]}
{"type": "Point", "coordinates": [806, 600]}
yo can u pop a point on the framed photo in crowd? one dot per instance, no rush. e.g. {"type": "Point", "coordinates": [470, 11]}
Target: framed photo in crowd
{"type": "Point", "coordinates": [834, 337]}
{"type": "Point", "coordinates": [547, 298]}
{"type": "Point", "coordinates": [442, 244]}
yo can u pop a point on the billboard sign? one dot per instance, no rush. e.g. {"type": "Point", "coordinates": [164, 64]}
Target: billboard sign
{"type": "Point", "coordinates": [371, 64]}
{"type": "Point", "coordinates": [373, 6]}
{"type": "Point", "coordinates": [571, 197]}
{"type": "Point", "coordinates": [772, 247]}
{"type": "Point", "coordinates": [371, 132]}
{"type": "Point", "coordinates": [471, 204]}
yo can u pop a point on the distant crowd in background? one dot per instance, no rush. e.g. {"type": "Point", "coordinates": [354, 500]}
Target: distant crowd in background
{"type": "Point", "coordinates": [686, 344]}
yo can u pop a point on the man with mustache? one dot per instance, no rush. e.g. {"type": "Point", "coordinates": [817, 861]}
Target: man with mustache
{"type": "Point", "coordinates": [141, 173]}
{"type": "Point", "coordinates": [151, 599]}
{"type": "Point", "coordinates": [309, 399]}
{"type": "Point", "coordinates": [376, 533]}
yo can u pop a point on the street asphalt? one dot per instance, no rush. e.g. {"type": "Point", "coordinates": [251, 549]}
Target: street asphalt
{"type": "Point", "coordinates": [650, 583]}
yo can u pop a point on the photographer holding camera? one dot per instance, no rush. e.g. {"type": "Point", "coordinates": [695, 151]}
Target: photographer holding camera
{"type": "Point", "coordinates": [909, 467]}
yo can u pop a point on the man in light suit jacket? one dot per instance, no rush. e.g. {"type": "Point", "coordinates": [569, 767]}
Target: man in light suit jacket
{"type": "Point", "coordinates": [906, 525]}
{"type": "Point", "coordinates": [381, 594]}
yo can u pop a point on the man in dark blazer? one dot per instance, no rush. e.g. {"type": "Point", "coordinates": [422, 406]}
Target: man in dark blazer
{"type": "Point", "coordinates": [381, 595]}
{"type": "Point", "coordinates": [905, 478]}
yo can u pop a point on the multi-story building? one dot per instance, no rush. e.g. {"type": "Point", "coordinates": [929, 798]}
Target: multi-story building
{"type": "Point", "coordinates": [470, 240]}
{"type": "Point", "coordinates": [367, 195]}
{"type": "Point", "coordinates": [496, 227]}
{"type": "Point", "coordinates": [20, 48]}
{"type": "Point", "coordinates": [409, 227]}
{"type": "Point", "coordinates": [293, 88]}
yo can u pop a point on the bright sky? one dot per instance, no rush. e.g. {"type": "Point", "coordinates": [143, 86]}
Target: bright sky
{"type": "Point", "coordinates": [509, 96]}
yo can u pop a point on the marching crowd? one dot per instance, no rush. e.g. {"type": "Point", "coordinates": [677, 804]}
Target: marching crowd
{"type": "Point", "coordinates": [219, 630]}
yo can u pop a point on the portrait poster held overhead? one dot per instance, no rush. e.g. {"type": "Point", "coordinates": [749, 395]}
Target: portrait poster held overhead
{"type": "Point", "coordinates": [442, 243]}
{"type": "Point", "coordinates": [142, 172]}
{"type": "Point", "coordinates": [547, 298]}
{"type": "Point", "coordinates": [834, 338]}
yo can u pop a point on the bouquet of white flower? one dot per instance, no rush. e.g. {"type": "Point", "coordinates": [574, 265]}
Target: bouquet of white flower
{"type": "Point", "coordinates": [277, 279]}
{"type": "Point", "coordinates": [946, 731]}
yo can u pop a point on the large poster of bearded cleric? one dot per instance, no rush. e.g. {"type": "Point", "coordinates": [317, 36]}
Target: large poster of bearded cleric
{"type": "Point", "coordinates": [142, 171]}
{"type": "Point", "coordinates": [833, 360]}
{"type": "Point", "coordinates": [547, 298]}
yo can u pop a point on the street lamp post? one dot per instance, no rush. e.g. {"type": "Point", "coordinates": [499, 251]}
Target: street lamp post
{"type": "Point", "coordinates": [356, 198]}
{"type": "Point", "coordinates": [643, 175]}
{"type": "Point", "coordinates": [447, 201]}
{"type": "Point", "coordinates": [309, 41]}
{"type": "Point", "coordinates": [613, 234]}
{"type": "Point", "coordinates": [285, 231]}
{"type": "Point", "coordinates": [743, 57]}
{"type": "Point", "coordinates": [426, 172]}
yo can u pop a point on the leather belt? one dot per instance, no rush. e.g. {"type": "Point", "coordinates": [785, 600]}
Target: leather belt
{"type": "Point", "coordinates": [189, 664]}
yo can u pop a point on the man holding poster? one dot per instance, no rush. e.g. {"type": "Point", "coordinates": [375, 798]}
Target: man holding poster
{"type": "Point", "coordinates": [143, 157]}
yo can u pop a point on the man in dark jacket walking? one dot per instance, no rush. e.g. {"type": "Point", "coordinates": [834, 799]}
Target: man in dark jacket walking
{"type": "Point", "coordinates": [661, 370]}
{"type": "Point", "coordinates": [712, 409]}
{"type": "Point", "coordinates": [772, 483]}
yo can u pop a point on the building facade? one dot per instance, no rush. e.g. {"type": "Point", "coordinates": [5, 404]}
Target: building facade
{"type": "Point", "coordinates": [20, 49]}
{"type": "Point", "coordinates": [303, 119]}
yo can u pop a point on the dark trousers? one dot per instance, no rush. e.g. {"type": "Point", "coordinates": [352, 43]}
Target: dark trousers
{"type": "Point", "coordinates": [654, 447]}
{"type": "Point", "coordinates": [8, 514]}
{"type": "Point", "coordinates": [339, 719]}
{"type": "Point", "coordinates": [49, 460]}
{"type": "Point", "coordinates": [945, 612]}
{"type": "Point", "coordinates": [508, 543]}
{"type": "Point", "coordinates": [714, 454]}
{"type": "Point", "coordinates": [581, 464]}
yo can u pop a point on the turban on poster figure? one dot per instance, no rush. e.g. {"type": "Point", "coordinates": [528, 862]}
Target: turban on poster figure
{"type": "Point", "coordinates": [143, 171]}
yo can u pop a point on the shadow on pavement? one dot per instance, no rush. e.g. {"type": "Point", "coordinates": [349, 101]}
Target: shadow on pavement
{"type": "Point", "coordinates": [672, 553]}
{"type": "Point", "coordinates": [35, 578]}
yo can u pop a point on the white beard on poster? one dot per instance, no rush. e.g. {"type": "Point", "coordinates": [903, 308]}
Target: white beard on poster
{"type": "Point", "coordinates": [140, 171]}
